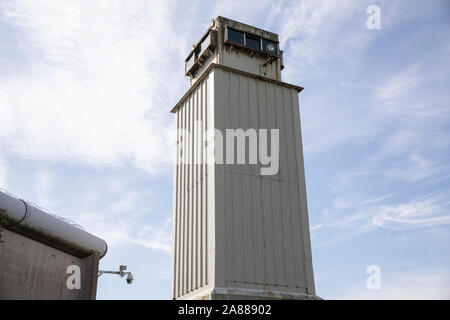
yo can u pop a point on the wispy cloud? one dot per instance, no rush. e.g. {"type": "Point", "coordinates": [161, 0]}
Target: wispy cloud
{"type": "Point", "coordinates": [417, 168]}
{"type": "Point", "coordinates": [3, 175]}
{"type": "Point", "coordinates": [122, 231]}
{"type": "Point", "coordinates": [423, 212]}
{"type": "Point", "coordinates": [100, 81]}
{"type": "Point", "coordinates": [399, 84]}
{"type": "Point", "coordinates": [125, 219]}
{"type": "Point", "coordinates": [155, 237]}
{"type": "Point", "coordinates": [42, 188]}
{"type": "Point", "coordinates": [304, 28]}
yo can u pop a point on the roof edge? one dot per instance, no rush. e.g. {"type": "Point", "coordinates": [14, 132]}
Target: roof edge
{"type": "Point", "coordinates": [48, 239]}
{"type": "Point", "coordinates": [244, 73]}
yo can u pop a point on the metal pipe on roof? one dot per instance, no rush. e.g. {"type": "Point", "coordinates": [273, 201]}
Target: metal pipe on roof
{"type": "Point", "coordinates": [28, 219]}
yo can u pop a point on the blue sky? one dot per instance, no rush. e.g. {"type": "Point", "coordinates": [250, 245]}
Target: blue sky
{"type": "Point", "coordinates": [85, 130]}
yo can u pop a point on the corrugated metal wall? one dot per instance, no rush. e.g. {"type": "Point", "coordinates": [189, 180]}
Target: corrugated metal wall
{"type": "Point", "coordinates": [191, 194]}
{"type": "Point", "coordinates": [232, 226]}
{"type": "Point", "coordinates": [262, 220]}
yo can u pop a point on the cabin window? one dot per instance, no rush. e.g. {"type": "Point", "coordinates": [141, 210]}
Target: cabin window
{"type": "Point", "coordinates": [252, 42]}
{"type": "Point", "coordinates": [235, 36]}
{"type": "Point", "coordinates": [270, 46]}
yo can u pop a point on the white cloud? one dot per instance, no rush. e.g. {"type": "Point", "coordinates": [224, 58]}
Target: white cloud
{"type": "Point", "coordinates": [3, 175]}
{"type": "Point", "coordinates": [43, 183]}
{"type": "Point", "coordinates": [155, 237]}
{"type": "Point", "coordinates": [303, 25]}
{"type": "Point", "coordinates": [121, 230]}
{"type": "Point", "coordinates": [97, 93]}
{"type": "Point", "coordinates": [122, 217]}
{"type": "Point", "coordinates": [305, 18]}
{"type": "Point", "coordinates": [399, 84]}
{"type": "Point", "coordinates": [417, 168]}
{"type": "Point", "coordinates": [419, 213]}
{"type": "Point", "coordinates": [371, 214]}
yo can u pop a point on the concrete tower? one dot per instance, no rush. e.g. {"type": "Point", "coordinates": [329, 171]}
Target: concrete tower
{"type": "Point", "coordinates": [241, 228]}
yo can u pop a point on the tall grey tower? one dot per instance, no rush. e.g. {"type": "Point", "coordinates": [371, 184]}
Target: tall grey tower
{"type": "Point", "coordinates": [239, 232]}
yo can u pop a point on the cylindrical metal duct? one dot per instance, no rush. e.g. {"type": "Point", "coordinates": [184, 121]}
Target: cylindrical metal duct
{"type": "Point", "coordinates": [28, 219]}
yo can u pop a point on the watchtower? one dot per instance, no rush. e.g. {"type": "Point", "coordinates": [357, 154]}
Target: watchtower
{"type": "Point", "coordinates": [241, 229]}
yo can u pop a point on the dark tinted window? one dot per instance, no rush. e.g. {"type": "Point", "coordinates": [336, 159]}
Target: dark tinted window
{"type": "Point", "coordinates": [270, 44]}
{"type": "Point", "coordinates": [235, 36]}
{"type": "Point", "coordinates": [252, 42]}
{"type": "Point", "coordinates": [197, 51]}
{"type": "Point", "coordinates": [189, 63]}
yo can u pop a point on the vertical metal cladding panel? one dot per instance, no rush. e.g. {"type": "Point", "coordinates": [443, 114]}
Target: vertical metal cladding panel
{"type": "Point", "coordinates": [264, 228]}
{"type": "Point", "coordinates": [190, 263]}
{"type": "Point", "coordinates": [234, 227]}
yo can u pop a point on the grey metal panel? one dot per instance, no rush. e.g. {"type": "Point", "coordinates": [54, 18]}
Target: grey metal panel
{"type": "Point", "coordinates": [234, 227]}
{"type": "Point", "coordinates": [189, 186]}
{"type": "Point", "coordinates": [302, 186]}
{"type": "Point", "coordinates": [175, 227]}
{"type": "Point", "coordinates": [182, 200]}
{"type": "Point", "coordinates": [204, 186]}
{"type": "Point", "coordinates": [265, 225]}
{"type": "Point", "coordinates": [286, 155]}
{"type": "Point", "coordinates": [32, 270]}
{"type": "Point", "coordinates": [218, 115]}
{"type": "Point", "coordinates": [191, 196]}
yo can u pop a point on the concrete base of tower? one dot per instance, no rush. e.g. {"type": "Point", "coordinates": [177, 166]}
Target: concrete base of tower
{"type": "Point", "coordinates": [251, 294]}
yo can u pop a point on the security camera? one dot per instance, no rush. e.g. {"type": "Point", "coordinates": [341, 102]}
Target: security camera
{"type": "Point", "coordinates": [121, 273]}
{"type": "Point", "coordinates": [130, 278]}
